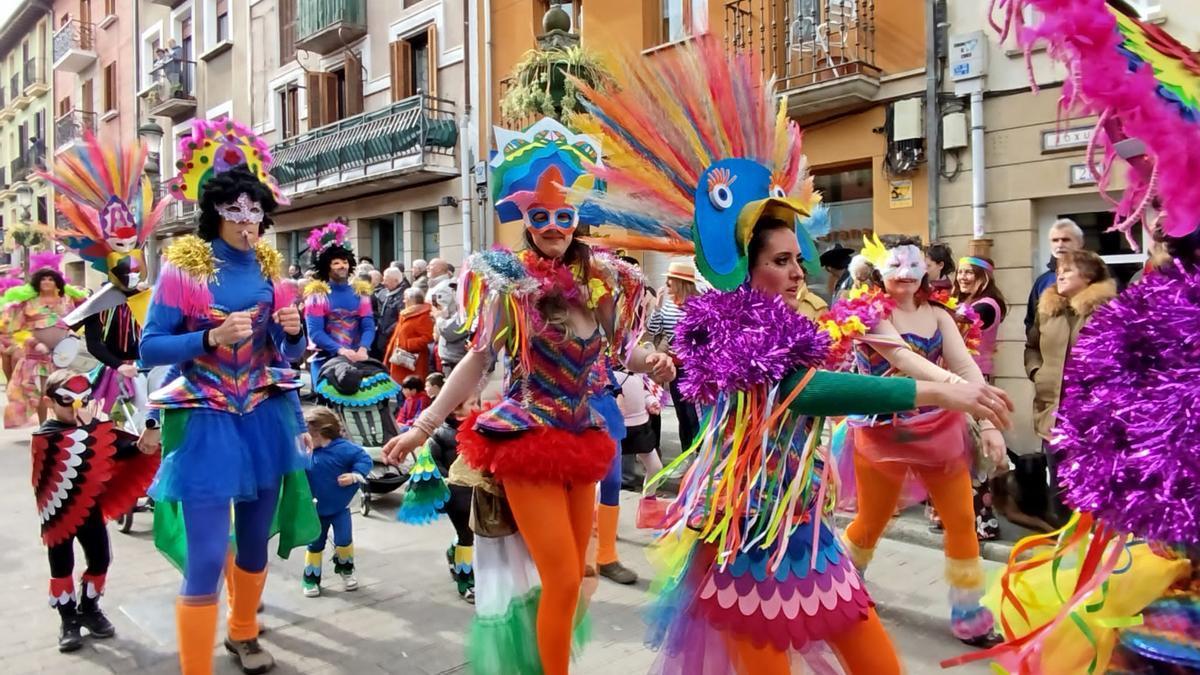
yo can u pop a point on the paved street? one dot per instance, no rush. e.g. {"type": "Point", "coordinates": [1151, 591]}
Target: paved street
{"type": "Point", "coordinates": [406, 618]}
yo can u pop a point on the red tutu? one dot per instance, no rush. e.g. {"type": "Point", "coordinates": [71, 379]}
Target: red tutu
{"type": "Point", "coordinates": [544, 454]}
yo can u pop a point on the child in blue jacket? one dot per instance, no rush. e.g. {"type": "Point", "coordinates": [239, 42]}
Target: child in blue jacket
{"type": "Point", "coordinates": [335, 471]}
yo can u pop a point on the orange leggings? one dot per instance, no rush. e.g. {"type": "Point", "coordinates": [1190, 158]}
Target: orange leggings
{"type": "Point", "coordinates": [556, 522]}
{"type": "Point", "coordinates": [879, 492]}
{"type": "Point", "coordinates": [865, 649]}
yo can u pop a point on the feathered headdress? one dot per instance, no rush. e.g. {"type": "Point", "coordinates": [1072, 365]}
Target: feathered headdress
{"type": "Point", "coordinates": [522, 157]}
{"type": "Point", "coordinates": [45, 260]}
{"type": "Point", "coordinates": [104, 196]}
{"type": "Point", "coordinates": [216, 146]}
{"type": "Point", "coordinates": [329, 236]}
{"type": "Point", "coordinates": [698, 147]}
{"type": "Point", "coordinates": [1145, 87]}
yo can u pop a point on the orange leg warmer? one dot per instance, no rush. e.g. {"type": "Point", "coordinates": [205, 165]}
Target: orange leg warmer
{"type": "Point", "coordinates": [196, 630]}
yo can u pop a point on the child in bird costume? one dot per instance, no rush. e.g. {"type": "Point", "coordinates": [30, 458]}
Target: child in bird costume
{"type": "Point", "coordinates": [232, 429]}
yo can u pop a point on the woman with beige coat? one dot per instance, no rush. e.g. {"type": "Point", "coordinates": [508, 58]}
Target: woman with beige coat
{"type": "Point", "coordinates": [1082, 285]}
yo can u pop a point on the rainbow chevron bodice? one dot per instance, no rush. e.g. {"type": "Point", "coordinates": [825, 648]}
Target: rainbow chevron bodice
{"type": "Point", "coordinates": [231, 378]}
{"type": "Point", "coordinates": [344, 326]}
{"type": "Point", "coordinates": [551, 390]}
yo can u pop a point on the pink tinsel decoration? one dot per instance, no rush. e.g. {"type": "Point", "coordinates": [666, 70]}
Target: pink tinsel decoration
{"type": "Point", "coordinates": [1083, 35]}
{"type": "Point", "coordinates": [285, 293]}
{"type": "Point", "coordinates": [180, 290]}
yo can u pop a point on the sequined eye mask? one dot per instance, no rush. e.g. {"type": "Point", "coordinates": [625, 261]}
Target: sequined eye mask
{"type": "Point", "coordinates": [244, 210]}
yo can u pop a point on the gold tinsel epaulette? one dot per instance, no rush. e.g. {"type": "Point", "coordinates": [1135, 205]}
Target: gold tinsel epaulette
{"type": "Point", "coordinates": [193, 256]}
{"type": "Point", "coordinates": [362, 287]}
{"type": "Point", "coordinates": [269, 260]}
{"type": "Point", "coordinates": [316, 287]}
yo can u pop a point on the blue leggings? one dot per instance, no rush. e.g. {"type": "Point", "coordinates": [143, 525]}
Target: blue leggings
{"type": "Point", "coordinates": [610, 485]}
{"type": "Point", "coordinates": [343, 532]}
{"type": "Point", "coordinates": [207, 527]}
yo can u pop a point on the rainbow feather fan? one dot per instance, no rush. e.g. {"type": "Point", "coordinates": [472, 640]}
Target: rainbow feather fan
{"type": "Point", "coordinates": [102, 190]}
{"type": "Point", "coordinates": [1141, 82]}
{"type": "Point", "coordinates": [215, 146]}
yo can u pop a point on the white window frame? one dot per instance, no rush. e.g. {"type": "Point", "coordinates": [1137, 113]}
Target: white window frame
{"type": "Point", "coordinates": [177, 17]}
{"type": "Point", "coordinates": [145, 80]}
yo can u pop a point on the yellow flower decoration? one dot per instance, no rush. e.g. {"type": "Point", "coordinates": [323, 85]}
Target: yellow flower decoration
{"type": "Point", "coordinates": [596, 290]}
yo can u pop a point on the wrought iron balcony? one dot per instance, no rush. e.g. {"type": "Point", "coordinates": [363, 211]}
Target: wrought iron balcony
{"type": "Point", "coordinates": [408, 141]}
{"type": "Point", "coordinates": [74, 46]}
{"type": "Point", "coordinates": [821, 52]}
{"type": "Point", "coordinates": [71, 127]}
{"type": "Point", "coordinates": [173, 90]}
{"type": "Point", "coordinates": [179, 217]}
{"type": "Point", "coordinates": [324, 26]}
{"type": "Point", "coordinates": [24, 164]}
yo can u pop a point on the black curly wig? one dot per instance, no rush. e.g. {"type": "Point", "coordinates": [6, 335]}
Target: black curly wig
{"type": "Point", "coordinates": [35, 280]}
{"type": "Point", "coordinates": [325, 260]}
{"type": "Point", "coordinates": [225, 188]}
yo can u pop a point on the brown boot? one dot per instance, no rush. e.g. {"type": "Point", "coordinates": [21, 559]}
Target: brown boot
{"type": "Point", "coordinates": [252, 658]}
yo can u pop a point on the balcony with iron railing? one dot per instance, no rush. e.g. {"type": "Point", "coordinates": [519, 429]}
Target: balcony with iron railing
{"type": "Point", "coordinates": [172, 92]}
{"type": "Point", "coordinates": [34, 83]}
{"type": "Point", "coordinates": [23, 165]}
{"type": "Point", "coordinates": [179, 216]}
{"type": "Point", "coordinates": [409, 141]}
{"type": "Point", "coordinates": [71, 127]}
{"type": "Point", "coordinates": [325, 26]}
{"type": "Point", "coordinates": [821, 52]}
{"type": "Point", "coordinates": [74, 46]}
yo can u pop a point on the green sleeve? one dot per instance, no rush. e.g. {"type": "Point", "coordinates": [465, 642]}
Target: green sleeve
{"type": "Point", "coordinates": [830, 394]}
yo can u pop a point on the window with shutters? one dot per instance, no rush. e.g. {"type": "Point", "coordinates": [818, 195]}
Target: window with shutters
{"type": "Point", "coordinates": [414, 64]}
{"type": "Point", "coordinates": [64, 105]}
{"type": "Point", "coordinates": [87, 102]}
{"type": "Point", "coordinates": [110, 87]}
{"type": "Point", "coordinates": [186, 40]}
{"type": "Point", "coordinates": [289, 111]}
{"type": "Point", "coordinates": [287, 31]}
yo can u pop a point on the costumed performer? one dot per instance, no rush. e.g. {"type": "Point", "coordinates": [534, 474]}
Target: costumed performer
{"type": "Point", "coordinates": [8, 347]}
{"type": "Point", "coordinates": [85, 473]}
{"type": "Point", "coordinates": [553, 308]}
{"type": "Point", "coordinates": [109, 206]}
{"type": "Point", "coordinates": [605, 395]}
{"type": "Point", "coordinates": [751, 573]}
{"type": "Point", "coordinates": [913, 335]}
{"type": "Point", "coordinates": [1118, 589]}
{"type": "Point", "coordinates": [36, 313]}
{"type": "Point", "coordinates": [232, 430]}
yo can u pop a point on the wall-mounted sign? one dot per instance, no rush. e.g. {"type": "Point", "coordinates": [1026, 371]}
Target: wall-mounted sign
{"type": "Point", "coordinates": [1081, 176]}
{"type": "Point", "coordinates": [900, 194]}
{"type": "Point", "coordinates": [1066, 139]}
{"type": "Point", "coordinates": [968, 56]}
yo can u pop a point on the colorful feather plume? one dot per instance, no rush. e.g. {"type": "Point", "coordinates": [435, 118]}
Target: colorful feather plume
{"type": "Point", "coordinates": [326, 237]}
{"type": "Point", "coordinates": [215, 146]}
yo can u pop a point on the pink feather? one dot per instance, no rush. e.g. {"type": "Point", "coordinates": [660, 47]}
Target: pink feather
{"type": "Point", "coordinates": [316, 304]}
{"type": "Point", "coordinates": [45, 260]}
{"type": "Point", "coordinates": [182, 291]}
{"type": "Point", "coordinates": [285, 293]}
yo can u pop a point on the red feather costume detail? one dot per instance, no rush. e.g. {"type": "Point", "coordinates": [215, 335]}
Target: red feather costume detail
{"type": "Point", "coordinates": [542, 454]}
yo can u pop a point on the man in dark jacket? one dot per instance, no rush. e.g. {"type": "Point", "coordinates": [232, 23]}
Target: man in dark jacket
{"type": "Point", "coordinates": [1065, 236]}
{"type": "Point", "coordinates": [387, 302]}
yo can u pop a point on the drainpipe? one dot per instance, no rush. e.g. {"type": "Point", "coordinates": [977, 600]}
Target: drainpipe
{"type": "Point", "coordinates": [465, 140]}
{"type": "Point", "coordinates": [978, 168]}
{"type": "Point", "coordinates": [933, 115]}
{"type": "Point", "coordinates": [488, 222]}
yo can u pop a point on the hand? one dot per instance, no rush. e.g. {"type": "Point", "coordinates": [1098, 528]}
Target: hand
{"type": "Point", "coordinates": [235, 328]}
{"type": "Point", "coordinates": [661, 367]}
{"type": "Point", "coordinates": [347, 479]}
{"type": "Point", "coordinates": [981, 401]}
{"type": "Point", "coordinates": [994, 447]}
{"type": "Point", "coordinates": [354, 355]}
{"type": "Point", "coordinates": [128, 370]}
{"type": "Point", "coordinates": [288, 318]}
{"type": "Point", "coordinates": [41, 348]}
{"type": "Point", "coordinates": [150, 441]}
{"type": "Point", "coordinates": [306, 442]}
{"type": "Point", "coordinates": [361, 354]}
{"type": "Point", "coordinates": [399, 447]}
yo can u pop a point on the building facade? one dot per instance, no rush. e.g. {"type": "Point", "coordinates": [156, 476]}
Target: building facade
{"type": "Point", "coordinates": [25, 117]}
{"type": "Point", "coordinates": [361, 103]}
{"type": "Point", "coordinates": [1035, 172]}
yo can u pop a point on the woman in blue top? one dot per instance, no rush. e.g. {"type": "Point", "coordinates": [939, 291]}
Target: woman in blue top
{"type": "Point", "coordinates": [335, 470]}
{"type": "Point", "coordinates": [232, 431]}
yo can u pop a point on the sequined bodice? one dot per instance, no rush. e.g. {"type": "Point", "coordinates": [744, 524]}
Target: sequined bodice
{"type": "Point", "coordinates": [551, 390]}
{"type": "Point", "coordinates": [870, 362]}
{"type": "Point", "coordinates": [344, 326]}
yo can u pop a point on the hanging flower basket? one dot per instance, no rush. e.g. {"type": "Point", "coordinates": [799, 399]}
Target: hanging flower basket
{"type": "Point", "coordinates": [540, 87]}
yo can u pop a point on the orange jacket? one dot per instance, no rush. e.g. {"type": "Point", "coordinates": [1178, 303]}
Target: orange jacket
{"type": "Point", "coordinates": [413, 333]}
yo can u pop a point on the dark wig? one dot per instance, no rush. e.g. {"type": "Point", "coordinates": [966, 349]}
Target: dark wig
{"type": "Point", "coordinates": [225, 188]}
{"type": "Point", "coordinates": [35, 280]}
{"type": "Point", "coordinates": [325, 260]}
{"type": "Point", "coordinates": [941, 253]}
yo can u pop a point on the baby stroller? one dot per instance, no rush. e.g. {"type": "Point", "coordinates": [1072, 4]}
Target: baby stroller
{"type": "Point", "coordinates": [363, 396]}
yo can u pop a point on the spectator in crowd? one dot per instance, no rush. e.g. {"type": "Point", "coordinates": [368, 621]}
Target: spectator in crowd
{"type": "Point", "coordinates": [294, 271]}
{"type": "Point", "coordinates": [366, 260]}
{"type": "Point", "coordinates": [419, 267]}
{"type": "Point", "coordinates": [173, 69]}
{"type": "Point", "coordinates": [836, 263]}
{"type": "Point", "coordinates": [939, 260]}
{"type": "Point", "coordinates": [1065, 236]}
{"type": "Point", "coordinates": [448, 327]}
{"type": "Point", "coordinates": [387, 301]}
{"type": "Point", "coordinates": [811, 304]}
{"type": "Point", "coordinates": [1082, 284]}
{"type": "Point", "coordinates": [408, 350]}
{"type": "Point", "coordinates": [376, 280]}
{"type": "Point", "coordinates": [438, 271]}
{"type": "Point", "coordinates": [415, 400]}
{"type": "Point", "coordinates": [681, 285]}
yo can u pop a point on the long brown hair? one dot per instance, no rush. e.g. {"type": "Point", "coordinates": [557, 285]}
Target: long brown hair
{"type": "Point", "coordinates": [989, 289]}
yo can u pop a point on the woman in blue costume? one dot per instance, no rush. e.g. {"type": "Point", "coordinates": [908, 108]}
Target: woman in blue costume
{"type": "Point", "coordinates": [232, 426]}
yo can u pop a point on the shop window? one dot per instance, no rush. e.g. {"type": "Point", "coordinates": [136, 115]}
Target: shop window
{"type": "Point", "coordinates": [848, 194]}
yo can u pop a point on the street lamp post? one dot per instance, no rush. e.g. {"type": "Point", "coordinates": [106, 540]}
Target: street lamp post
{"type": "Point", "coordinates": [25, 201]}
{"type": "Point", "coordinates": [151, 134]}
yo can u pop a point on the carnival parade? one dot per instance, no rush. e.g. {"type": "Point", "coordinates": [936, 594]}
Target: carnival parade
{"type": "Point", "coordinates": [649, 362]}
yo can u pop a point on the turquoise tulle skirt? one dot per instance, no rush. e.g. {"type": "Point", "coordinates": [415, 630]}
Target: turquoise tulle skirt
{"type": "Point", "coordinates": [216, 456]}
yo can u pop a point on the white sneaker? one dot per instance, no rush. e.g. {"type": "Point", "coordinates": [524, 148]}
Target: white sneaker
{"type": "Point", "coordinates": [312, 590]}
{"type": "Point", "coordinates": [349, 583]}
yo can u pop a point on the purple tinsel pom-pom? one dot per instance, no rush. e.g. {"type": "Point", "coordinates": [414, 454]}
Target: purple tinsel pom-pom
{"type": "Point", "coordinates": [1129, 424]}
{"type": "Point", "coordinates": [734, 341]}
